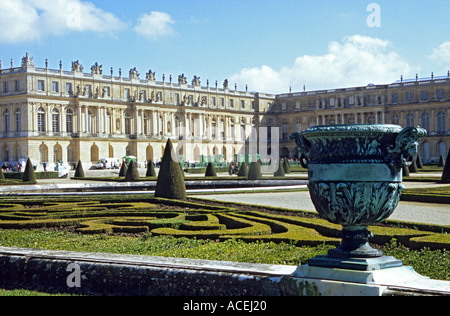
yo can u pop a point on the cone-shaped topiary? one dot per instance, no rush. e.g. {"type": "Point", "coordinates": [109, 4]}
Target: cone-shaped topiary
{"type": "Point", "coordinates": [210, 170]}
{"type": "Point", "coordinates": [286, 166]}
{"type": "Point", "coordinates": [280, 172]}
{"type": "Point", "coordinates": [150, 169]}
{"type": "Point", "coordinates": [123, 169]}
{"type": "Point", "coordinates": [446, 173]}
{"type": "Point", "coordinates": [441, 161]}
{"type": "Point", "coordinates": [405, 171]}
{"type": "Point", "coordinates": [79, 172]}
{"type": "Point", "coordinates": [29, 175]}
{"type": "Point", "coordinates": [181, 168]}
{"type": "Point", "coordinates": [2, 176]}
{"type": "Point", "coordinates": [413, 168]}
{"type": "Point", "coordinates": [170, 184]}
{"type": "Point", "coordinates": [419, 162]}
{"type": "Point", "coordinates": [254, 172]}
{"type": "Point", "coordinates": [132, 173]}
{"type": "Point", "coordinates": [243, 170]}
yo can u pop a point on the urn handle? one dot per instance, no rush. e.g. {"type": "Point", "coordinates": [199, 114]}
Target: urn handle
{"type": "Point", "coordinates": [406, 145]}
{"type": "Point", "coordinates": [304, 148]}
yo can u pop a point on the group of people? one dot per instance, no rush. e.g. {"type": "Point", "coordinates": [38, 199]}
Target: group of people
{"type": "Point", "coordinates": [233, 168]}
{"type": "Point", "coordinates": [8, 167]}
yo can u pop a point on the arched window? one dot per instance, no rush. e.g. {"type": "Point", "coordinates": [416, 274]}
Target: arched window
{"type": "Point", "coordinates": [55, 121]}
{"type": "Point", "coordinates": [43, 153]}
{"type": "Point", "coordinates": [41, 120]}
{"type": "Point", "coordinates": [243, 132]}
{"type": "Point", "coordinates": [57, 153]}
{"type": "Point", "coordinates": [69, 121]}
{"type": "Point", "coordinates": [426, 152]}
{"type": "Point", "coordinates": [442, 149]}
{"type": "Point", "coordinates": [426, 121]}
{"type": "Point", "coordinates": [94, 153]}
{"type": "Point", "coordinates": [441, 122]}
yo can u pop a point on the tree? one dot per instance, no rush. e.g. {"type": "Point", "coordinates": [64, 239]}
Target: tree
{"type": "Point", "coordinates": [405, 171]}
{"type": "Point", "coordinates": [413, 167]}
{"type": "Point", "coordinates": [123, 169]}
{"type": "Point", "coordinates": [2, 176]}
{"type": "Point", "coordinates": [29, 175]}
{"type": "Point", "coordinates": [286, 166]}
{"type": "Point", "coordinates": [254, 172]}
{"type": "Point", "coordinates": [170, 184]}
{"type": "Point", "coordinates": [150, 169]}
{"type": "Point", "coordinates": [441, 161]}
{"type": "Point", "coordinates": [419, 162]}
{"type": "Point", "coordinates": [132, 174]}
{"type": "Point", "coordinates": [210, 170]}
{"type": "Point", "coordinates": [243, 170]}
{"type": "Point", "coordinates": [79, 172]}
{"type": "Point", "coordinates": [446, 173]}
{"type": "Point", "coordinates": [280, 172]}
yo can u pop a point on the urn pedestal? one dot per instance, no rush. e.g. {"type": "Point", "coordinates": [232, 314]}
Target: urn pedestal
{"type": "Point", "coordinates": [355, 175]}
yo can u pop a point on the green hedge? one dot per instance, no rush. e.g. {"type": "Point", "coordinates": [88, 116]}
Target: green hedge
{"type": "Point", "coordinates": [39, 175]}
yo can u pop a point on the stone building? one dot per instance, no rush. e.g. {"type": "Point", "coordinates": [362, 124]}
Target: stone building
{"type": "Point", "coordinates": [57, 115]}
{"type": "Point", "coordinates": [417, 102]}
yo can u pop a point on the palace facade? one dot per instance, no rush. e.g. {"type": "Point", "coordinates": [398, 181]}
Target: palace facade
{"type": "Point", "coordinates": [56, 115]}
{"type": "Point", "coordinates": [417, 102]}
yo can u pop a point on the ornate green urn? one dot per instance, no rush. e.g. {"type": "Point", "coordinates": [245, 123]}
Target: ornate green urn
{"type": "Point", "coordinates": [355, 175]}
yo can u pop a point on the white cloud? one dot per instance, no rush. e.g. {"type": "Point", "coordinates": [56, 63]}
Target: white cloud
{"type": "Point", "coordinates": [25, 20]}
{"type": "Point", "coordinates": [442, 53]}
{"type": "Point", "coordinates": [356, 61]}
{"type": "Point", "coordinates": [155, 25]}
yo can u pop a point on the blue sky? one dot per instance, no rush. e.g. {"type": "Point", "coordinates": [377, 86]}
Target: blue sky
{"type": "Point", "coordinates": [268, 45]}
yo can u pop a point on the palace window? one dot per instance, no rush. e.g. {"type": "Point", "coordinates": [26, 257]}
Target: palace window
{"type": "Point", "coordinates": [242, 104]}
{"type": "Point", "coordinates": [395, 119]}
{"type": "Point", "coordinates": [6, 116]}
{"type": "Point", "coordinates": [410, 120]}
{"type": "Point", "coordinates": [17, 84]}
{"type": "Point", "coordinates": [440, 94]}
{"type": "Point", "coordinates": [90, 122]}
{"type": "Point", "coordinates": [424, 95]}
{"type": "Point", "coordinates": [55, 121]}
{"type": "Point", "coordinates": [18, 120]}
{"type": "Point", "coordinates": [284, 131]}
{"type": "Point", "coordinates": [409, 96]}
{"type": "Point", "coordinates": [41, 120]}
{"type": "Point", "coordinates": [40, 85]}
{"type": "Point", "coordinates": [441, 122]}
{"type": "Point", "coordinates": [69, 121]}
{"type": "Point", "coordinates": [243, 134]}
{"type": "Point", "coordinates": [394, 97]}
{"type": "Point", "coordinates": [69, 88]}
{"type": "Point", "coordinates": [426, 121]}
{"type": "Point", "coordinates": [5, 87]}
{"type": "Point", "coordinates": [55, 86]}
{"type": "Point", "coordinates": [127, 124]}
